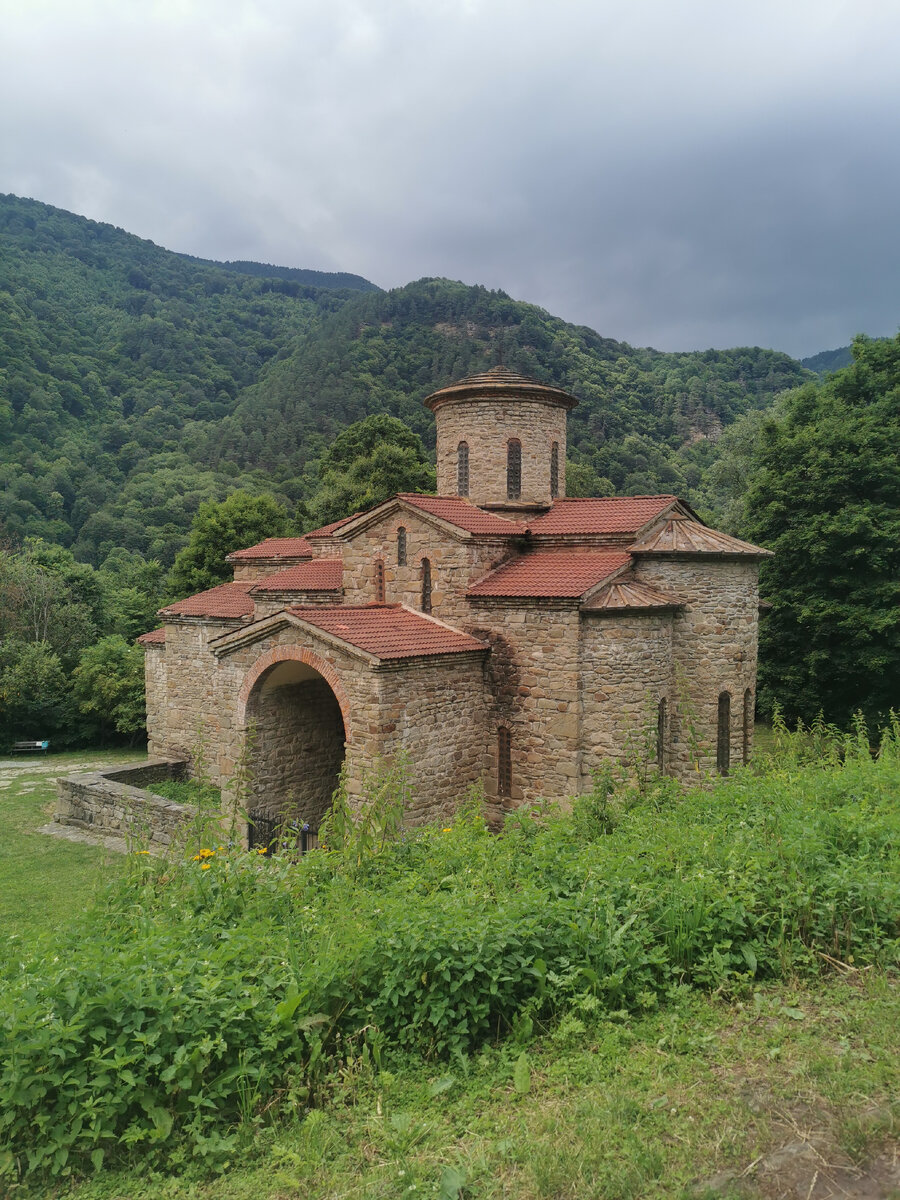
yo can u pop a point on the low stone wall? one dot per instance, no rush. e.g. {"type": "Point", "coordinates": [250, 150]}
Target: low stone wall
{"type": "Point", "coordinates": [116, 803]}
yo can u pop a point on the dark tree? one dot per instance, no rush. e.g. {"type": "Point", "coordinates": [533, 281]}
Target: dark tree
{"type": "Point", "coordinates": [826, 498]}
{"type": "Point", "coordinates": [218, 529]}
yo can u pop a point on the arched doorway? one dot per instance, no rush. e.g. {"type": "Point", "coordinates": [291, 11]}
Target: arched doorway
{"type": "Point", "coordinates": [296, 723]}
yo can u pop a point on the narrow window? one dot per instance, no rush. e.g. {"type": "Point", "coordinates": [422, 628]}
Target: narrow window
{"type": "Point", "coordinates": [513, 469]}
{"type": "Point", "coordinates": [401, 546]}
{"type": "Point", "coordinates": [379, 581]}
{"type": "Point", "coordinates": [554, 470]}
{"type": "Point", "coordinates": [661, 736]}
{"type": "Point", "coordinates": [426, 585]}
{"type": "Point", "coordinates": [462, 469]}
{"type": "Point", "coordinates": [748, 724]}
{"type": "Point", "coordinates": [723, 734]}
{"type": "Point", "coordinates": [504, 762]}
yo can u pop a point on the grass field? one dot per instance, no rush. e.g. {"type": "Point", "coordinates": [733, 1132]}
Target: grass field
{"type": "Point", "coordinates": [790, 1091]}
{"type": "Point", "coordinates": [753, 1090]}
{"type": "Point", "coordinates": [45, 880]}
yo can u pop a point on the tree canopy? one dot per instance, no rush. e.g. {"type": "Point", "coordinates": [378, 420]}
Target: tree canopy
{"type": "Point", "coordinates": [239, 521]}
{"type": "Point", "coordinates": [137, 384]}
{"type": "Point", "coordinates": [369, 461]}
{"type": "Point", "coordinates": [825, 496]}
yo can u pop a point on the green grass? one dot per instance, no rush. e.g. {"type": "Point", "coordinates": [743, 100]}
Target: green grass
{"type": "Point", "coordinates": [44, 881]}
{"type": "Point", "coordinates": [657, 991]}
{"type": "Point", "coordinates": [644, 1107]}
{"type": "Point", "coordinates": [189, 792]}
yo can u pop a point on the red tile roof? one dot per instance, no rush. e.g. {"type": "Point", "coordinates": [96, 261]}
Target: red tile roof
{"type": "Point", "coordinates": [614, 514]}
{"type": "Point", "coordinates": [682, 536]}
{"type": "Point", "coordinates": [320, 575]}
{"type": "Point", "coordinates": [551, 573]}
{"type": "Point", "coordinates": [326, 530]}
{"type": "Point", "coordinates": [627, 594]}
{"type": "Point", "coordinates": [292, 547]}
{"type": "Point", "coordinates": [228, 600]}
{"type": "Point", "coordinates": [156, 637]}
{"type": "Point", "coordinates": [388, 631]}
{"type": "Point", "coordinates": [464, 514]}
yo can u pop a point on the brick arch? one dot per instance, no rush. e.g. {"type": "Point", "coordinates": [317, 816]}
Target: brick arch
{"type": "Point", "coordinates": [279, 654]}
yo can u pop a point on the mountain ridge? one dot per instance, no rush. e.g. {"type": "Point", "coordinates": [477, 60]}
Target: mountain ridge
{"type": "Point", "coordinates": [137, 383]}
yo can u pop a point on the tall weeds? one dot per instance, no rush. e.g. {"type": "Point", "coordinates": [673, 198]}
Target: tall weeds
{"type": "Point", "coordinates": [203, 993]}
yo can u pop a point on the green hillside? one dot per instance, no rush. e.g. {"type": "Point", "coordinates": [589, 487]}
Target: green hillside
{"type": "Point", "coordinates": [647, 421]}
{"type": "Point", "coordinates": [136, 383]}
{"type": "Point", "coordinates": [301, 275]}
{"type": "Point", "coordinates": [827, 361]}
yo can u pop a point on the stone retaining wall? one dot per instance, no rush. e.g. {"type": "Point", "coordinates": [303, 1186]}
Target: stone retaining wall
{"type": "Point", "coordinates": [116, 803]}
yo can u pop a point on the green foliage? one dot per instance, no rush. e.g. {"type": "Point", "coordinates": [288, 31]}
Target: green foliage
{"type": "Point", "coordinates": [65, 628]}
{"type": "Point", "coordinates": [208, 991]}
{"type": "Point", "coordinates": [34, 693]}
{"type": "Point", "coordinates": [119, 361]}
{"type": "Point", "coordinates": [137, 384]}
{"type": "Point", "coordinates": [367, 463]}
{"type": "Point", "coordinates": [219, 528]}
{"type": "Point", "coordinates": [357, 831]}
{"type": "Point", "coordinates": [826, 498]}
{"type": "Point", "coordinates": [108, 686]}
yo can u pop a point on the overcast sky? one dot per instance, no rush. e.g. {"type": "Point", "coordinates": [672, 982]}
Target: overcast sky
{"type": "Point", "coordinates": [674, 173]}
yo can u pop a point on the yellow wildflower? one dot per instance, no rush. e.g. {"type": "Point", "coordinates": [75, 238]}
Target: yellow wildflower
{"type": "Point", "coordinates": [447, 830]}
{"type": "Point", "coordinates": [205, 866]}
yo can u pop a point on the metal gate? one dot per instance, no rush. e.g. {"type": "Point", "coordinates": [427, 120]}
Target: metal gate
{"type": "Point", "coordinates": [268, 833]}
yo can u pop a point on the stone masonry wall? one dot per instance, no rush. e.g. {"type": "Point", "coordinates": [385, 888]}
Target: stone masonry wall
{"type": "Point", "coordinates": [433, 711]}
{"type": "Point", "coordinates": [487, 425]}
{"type": "Point", "coordinates": [714, 647]}
{"type": "Point", "coordinates": [156, 690]}
{"type": "Point", "coordinates": [626, 669]}
{"type": "Point", "coordinates": [454, 565]}
{"type": "Point", "coordinates": [204, 696]}
{"type": "Point", "coordinates": [116, 804]}
{"type": "Point", "coordinates": [267, 604]}
{"type": "Point", "coordinates": [298, 751]}
{"type": "Point", "coordinates": [532, 686]}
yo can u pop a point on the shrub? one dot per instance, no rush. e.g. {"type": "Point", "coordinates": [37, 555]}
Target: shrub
{"type": "Point", "coordinates": [206, 990]}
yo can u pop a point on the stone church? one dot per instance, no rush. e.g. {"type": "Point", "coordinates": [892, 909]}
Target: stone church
{"type": "Point", "coordinates": [496, 634]}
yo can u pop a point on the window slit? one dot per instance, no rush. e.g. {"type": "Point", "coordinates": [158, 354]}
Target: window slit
{"type": "Point", "coordinates": [513, 469]}
{"type": "Point", "coordinates": [504, 762]}
{"type": "Point", "coordinates": [723, 734]}
{"type": "Point", "coordinates": [426, 585]}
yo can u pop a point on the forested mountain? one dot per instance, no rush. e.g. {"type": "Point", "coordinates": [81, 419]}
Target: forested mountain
{"type": "Point", "coordinates": [318, 279]}
{"type": "Point", "coordinates": [136, 383]}
{"type": "Point", "coordinates": [647, 421]}
{"type": "Point", "coordinates": [829, 360]}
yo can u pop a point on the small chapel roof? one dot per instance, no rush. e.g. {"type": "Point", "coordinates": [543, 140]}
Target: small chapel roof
{"type": "Point", "coordinates": [227, 601]}
{"type": "Point", "coordinates": [320, 575]}
{"type": "Point", "coordinates": [627, 594]}
{"type": "Point", "coordinates": [286, 547]}
{"type": "Point", "coordinates": [156, 637]}
{"type": "Point", "coordinates": [609, 515]}
{"type": "Point", "coordinates": [551, 574]}
{"type": "Point", "coordinates": [499, 381]}
{"type": "Point", "coordinates": [388, 631]}
{"type": "Point", "coordinates": [679, 535]}
{"type": "Point", "coordinates": [328, 530]}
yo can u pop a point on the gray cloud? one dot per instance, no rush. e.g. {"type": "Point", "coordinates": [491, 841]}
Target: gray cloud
{"type": "Point", "coordinates": [677, 175]}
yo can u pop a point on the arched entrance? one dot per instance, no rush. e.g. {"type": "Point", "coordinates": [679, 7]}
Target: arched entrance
{"type": "Point", "coordinates": [291, 706]}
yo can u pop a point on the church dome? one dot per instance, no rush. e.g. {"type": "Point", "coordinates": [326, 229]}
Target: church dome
{"type": "Point", "coordinates": [501, 440]}
{"type": "Point", "coordinates": [500, 382]}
